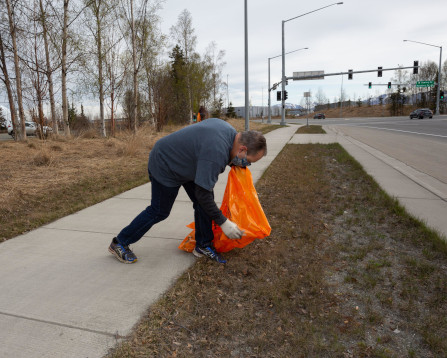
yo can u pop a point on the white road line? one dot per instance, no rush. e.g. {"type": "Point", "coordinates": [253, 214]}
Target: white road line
{"type": "Point", "coordinates": [399, 130]}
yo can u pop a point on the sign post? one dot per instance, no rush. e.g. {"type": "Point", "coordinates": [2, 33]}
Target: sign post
{"type": "Point", "coordinates": [307, 97]}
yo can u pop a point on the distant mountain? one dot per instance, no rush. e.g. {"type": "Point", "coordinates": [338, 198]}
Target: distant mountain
{"type": "Point", "coordinates": [290, 106]}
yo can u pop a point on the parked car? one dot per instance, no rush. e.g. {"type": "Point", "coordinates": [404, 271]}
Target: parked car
{"type": "Point", "coordinates": [30, 128]}
{"type": "Point", "coordinates": [46, 130]}
{"type": "Point", "coordinates": [421, 113]}
{"type": "Point", "coordinates": [319, 116]}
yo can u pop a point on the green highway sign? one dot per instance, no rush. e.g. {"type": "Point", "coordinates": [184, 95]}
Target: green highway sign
{"type": "Point", "coordinates": [425, 83]}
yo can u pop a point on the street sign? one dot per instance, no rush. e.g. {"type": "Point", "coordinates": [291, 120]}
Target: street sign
{"type": "Point", "coordinates": [318, 75]}
{"type": "Point", "coordinates": [425, 83]}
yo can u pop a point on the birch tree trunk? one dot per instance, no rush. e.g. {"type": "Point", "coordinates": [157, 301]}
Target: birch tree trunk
{"type": "Point", "coordinates": [135, 70]}
{"type": "Point", "coordinates": [64, 71]}
{"type": "Point", "coordinates": [97, 11]}
{"type": "Point", "coordinates": [22, 135]}
{"type": "Point", "coordinates": [6, 80]}
{"type": "Point", "coordinates": [49, 69]}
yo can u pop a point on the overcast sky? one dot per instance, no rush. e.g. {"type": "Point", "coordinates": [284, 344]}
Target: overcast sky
{"type": "Point", "coordinates": [358, 35]}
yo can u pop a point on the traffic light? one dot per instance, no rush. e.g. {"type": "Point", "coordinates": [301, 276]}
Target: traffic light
{"type": "Point", "coordinates": [287, 82]}
{"type": "Point", "coordinates": [286, 95]}
{"type": "Point", "coordinates": [369, 85]}
{"type": "Point", "coordinates": [416, 67]}
{"type": "Point", "coordinates": [389, 84]}
{"type": "Point", "coordinates": [350, 75]}
{"type": "Point", "coordinates": [404, 89]}
{"type": "Point", "coordinates": [379, 71]}
{"type": "Point", "coordinates": [278, 95]}
{"type": "Point", "coordinates": [441, 94]}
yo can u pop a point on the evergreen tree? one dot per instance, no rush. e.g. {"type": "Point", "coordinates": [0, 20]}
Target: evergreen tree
{"type": "Point", "coordinates": [231, 113]}
{"type": "Point", "coordinates": [72, 114]}
{"type": "Point", "coordinates": [180, 109]}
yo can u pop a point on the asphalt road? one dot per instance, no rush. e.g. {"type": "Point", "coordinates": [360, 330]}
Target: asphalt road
{"type": "Point", "coordinates": [419, 143]}
{"type": "Point", "coordinates": [5, 137]}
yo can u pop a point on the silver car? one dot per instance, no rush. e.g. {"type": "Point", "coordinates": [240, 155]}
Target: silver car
{"type": "Point", "coordinates": [30, 128]}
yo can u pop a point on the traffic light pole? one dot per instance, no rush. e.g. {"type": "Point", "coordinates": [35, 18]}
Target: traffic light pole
{"type": "Point", "coordinates": [270, 101]}
{"type": "Point", "coordinates": [299, 78]}
{"type": "Point", "coordinates": [439, 82]}
{"type": "Point", "coordinates": [283, 77]}
{"type": "Point", "coordinates": [439, 71]}
{"type": "Point", "coordinates": [283, 80]}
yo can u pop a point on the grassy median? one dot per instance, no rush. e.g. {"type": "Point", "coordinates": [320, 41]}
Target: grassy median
{"type": "Point", "coordinates": [345, 273]}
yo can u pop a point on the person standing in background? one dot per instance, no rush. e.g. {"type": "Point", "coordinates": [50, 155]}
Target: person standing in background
{"type": "Point", "coordinates": [202, 114]}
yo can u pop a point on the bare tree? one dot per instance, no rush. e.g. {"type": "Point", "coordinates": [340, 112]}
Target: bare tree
{"type": "Point", "coordinates": [49, 68]}
{"type": "Point", "coordinates": [13, 34]}
{"type": "Point", "coordinates": [215, 64]}
{"type": "Point", "coordinates": [64, 70]}
{"type": "Point", "coordinates": [8, 86]}
{"type": "Point", "coordinates": [37, 73]}
{"type": "Point", "coordinates": [152, 45]}
{"type": "Point", "coordinates": [138, 20]}
{"type": "Point", "coordinates": [115, 73]}
{"type": "Point", "coordinates": [320, 97]}
{"type": "Point", "coordinates": [96, 17]}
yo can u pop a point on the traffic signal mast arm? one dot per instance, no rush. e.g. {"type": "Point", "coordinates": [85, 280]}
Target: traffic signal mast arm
{"type": "Point", "coordinates": [350, 72]}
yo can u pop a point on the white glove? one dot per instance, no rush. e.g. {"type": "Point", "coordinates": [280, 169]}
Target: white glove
{"type": "Point", "coordinates": [231, 230]}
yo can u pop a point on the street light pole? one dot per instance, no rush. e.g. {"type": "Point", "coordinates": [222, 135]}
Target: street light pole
{"type": "Point", "coordinates": [439, 71]}
{"type": "Point", "coordinates": [247, 114]}
{"type": "Point", "coordinates": [228, 95]}
{"type": "Point", "coordinates": [283, 77]}
{"type": "Point", "coordinates": [269, 88]}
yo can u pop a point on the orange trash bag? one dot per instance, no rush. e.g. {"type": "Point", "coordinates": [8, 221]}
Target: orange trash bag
{"type": "Point", "coordinates": [241, 205]}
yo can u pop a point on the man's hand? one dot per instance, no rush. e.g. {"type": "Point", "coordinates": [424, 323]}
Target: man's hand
{"type": "Point", "coordinates": [231, 230]}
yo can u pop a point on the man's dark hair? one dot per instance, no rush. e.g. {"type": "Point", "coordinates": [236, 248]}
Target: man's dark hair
{"type": "Point", "coordinates": [254, 141]}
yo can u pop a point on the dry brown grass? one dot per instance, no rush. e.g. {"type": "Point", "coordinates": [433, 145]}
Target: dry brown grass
{"type": "Point", "coordinates": [311, 129]}
{"type": "Point", "coordinates": [45, 180]}
{"type": "Point", "coordinates": [363, 111]}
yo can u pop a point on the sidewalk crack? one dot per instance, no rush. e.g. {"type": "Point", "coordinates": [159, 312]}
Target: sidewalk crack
{"type": "Point", "coordinates": [116, 335]}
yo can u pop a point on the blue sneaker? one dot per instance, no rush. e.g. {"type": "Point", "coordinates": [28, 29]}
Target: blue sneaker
{"type": "Point", "coordinates": [122, 252]}
{"type": "Point", "coordinates": [209, 252]}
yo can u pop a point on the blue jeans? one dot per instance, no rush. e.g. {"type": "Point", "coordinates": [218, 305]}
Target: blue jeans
{"type": "Point", "coordinates": [163, 198]}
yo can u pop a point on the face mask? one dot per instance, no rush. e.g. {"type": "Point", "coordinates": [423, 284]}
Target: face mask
{"type": "Point", "coordinates": [240, 162]}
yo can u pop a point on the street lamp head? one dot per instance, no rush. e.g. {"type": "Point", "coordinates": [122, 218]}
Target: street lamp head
{"type": "Point", "coordinates": [340, 3]}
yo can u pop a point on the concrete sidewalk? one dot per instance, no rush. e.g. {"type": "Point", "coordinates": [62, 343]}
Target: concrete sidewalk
{"type": "Point", "coordinates": [63, 295]}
